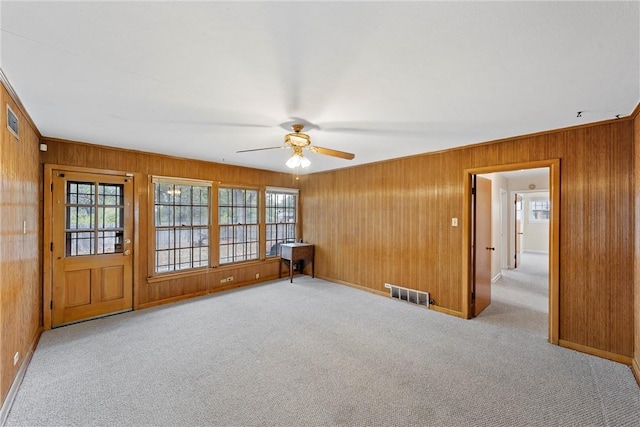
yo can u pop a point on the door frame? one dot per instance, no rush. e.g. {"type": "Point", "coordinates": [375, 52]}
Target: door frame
{"type": "Point", "coordinates": [47, 239]}
{"type": "Point", "coordinates": [554, 237]}
{"type": "Point", "coordinates": [504, 229]}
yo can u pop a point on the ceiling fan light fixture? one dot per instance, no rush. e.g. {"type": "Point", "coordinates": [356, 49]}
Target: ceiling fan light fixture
{"type": "Point", "coordinates": [297, 160]}
{"type": "Point", "coordinates": [304, 162]}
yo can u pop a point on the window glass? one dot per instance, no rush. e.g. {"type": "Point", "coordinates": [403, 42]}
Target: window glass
{"type": "Point", "coordinates": [281, 217]}
{"type": "Point", "coordinates": [181, 225]}
{"type": "Point", "coordinates": [94, 218]}
{"type": "Point", "coordinates": [238, 222]}
{"type": "Point", "coordinates": [539, 210]}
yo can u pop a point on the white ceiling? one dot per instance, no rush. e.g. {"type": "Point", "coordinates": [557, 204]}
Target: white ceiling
{"type": "Point", "coordinates": [379, 79]}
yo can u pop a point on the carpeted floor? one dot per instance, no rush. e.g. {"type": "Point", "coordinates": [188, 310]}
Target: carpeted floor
{"type": "Point", "coordinates": [520, 298]}
{"type": "Point", "coordinates": [313, 353]}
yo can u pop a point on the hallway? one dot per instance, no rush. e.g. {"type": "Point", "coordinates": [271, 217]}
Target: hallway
{"type": "Point", "coordinates": [520, 298]}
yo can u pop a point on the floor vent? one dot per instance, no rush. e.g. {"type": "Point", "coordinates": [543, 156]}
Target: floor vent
{"type": "Point", "coordinates": [409, 295]}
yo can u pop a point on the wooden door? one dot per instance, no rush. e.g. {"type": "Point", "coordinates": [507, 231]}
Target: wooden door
{"type": "Point", "coordinates": [518, 230]}
{"type": "Point", "coordinates": [481, 292]}
{"type": "Point", "coordinates": [92, 228]}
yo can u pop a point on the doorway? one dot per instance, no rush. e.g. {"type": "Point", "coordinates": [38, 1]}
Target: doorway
{"type": "Point", "coordinates": [469, 244]}
{"type": "Point", "coordinates": [88, 242]}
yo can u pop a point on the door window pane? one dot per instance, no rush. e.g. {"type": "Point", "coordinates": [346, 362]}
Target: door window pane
{"type": "Point", "coordinates": [97, 209]}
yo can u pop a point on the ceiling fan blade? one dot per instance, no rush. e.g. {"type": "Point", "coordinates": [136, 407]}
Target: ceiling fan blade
{"type": "Point", "coordinates": [260, 149]}
{"type": "Point", "coordinates": [330, 152]}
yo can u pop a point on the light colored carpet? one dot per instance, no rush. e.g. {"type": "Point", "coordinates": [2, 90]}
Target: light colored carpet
{"type": "Point", "coordinates": [313, 353]}
{"type": "Point", "coordinates": [520, 298]}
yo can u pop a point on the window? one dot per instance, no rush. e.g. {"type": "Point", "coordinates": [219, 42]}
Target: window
{"type": "Point", "coordinates": [181, 215]}
{"type": "Point", "coordinates": [238, 221]}
{"type": "Point", "coordinates": [94, 218]}
{"type": "Point", "coordinates": [539, 210]}
{"type": "Point", "coordinates": [281, 217]}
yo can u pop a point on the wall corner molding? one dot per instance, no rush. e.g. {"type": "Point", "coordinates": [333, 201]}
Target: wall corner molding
{"type": "Point", "coordinates": [636, 112]}
{"type": "Point", "coordinates": [14, 96]}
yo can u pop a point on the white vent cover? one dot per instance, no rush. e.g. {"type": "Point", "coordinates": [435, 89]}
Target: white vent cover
{"type": "Point", "coordinates": [410, 295]}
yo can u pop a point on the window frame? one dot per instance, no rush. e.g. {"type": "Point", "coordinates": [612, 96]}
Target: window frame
{"type": "Point", "coordinates": [286, 239]}
{"type": "Point", "coordinates": [252, 256]}
{"type": "Point", "coordinates": [153, 226]}
{"type": "Point", "coordinates": [545, 203]}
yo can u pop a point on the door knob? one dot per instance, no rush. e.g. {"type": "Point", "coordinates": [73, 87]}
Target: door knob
{"type": "Point", "coordinates": [127, 241]}
{"type": "Point", "coordinates": [127, 252]}
{"type": "Point", "coordinates": [491, 249]}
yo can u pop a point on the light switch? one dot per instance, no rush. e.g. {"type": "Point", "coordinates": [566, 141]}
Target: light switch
{"type": "Point", "coordinates": [454, 222]}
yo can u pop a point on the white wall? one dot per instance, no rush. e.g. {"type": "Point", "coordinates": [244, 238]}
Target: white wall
{"type": "Point", "coordinates": [522, 186]}
{"type": "Point", "coordinates": [536, 234]}
{"type": "Point", "coordinates": [497, 182]}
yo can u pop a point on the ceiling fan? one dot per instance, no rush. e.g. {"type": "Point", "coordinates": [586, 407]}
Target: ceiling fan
{"type": "Point", "coordinates": [297, 141]}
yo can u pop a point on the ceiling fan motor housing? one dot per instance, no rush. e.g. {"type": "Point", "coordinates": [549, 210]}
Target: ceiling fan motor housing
{"type": "Point", "coordinates": [297, 139]}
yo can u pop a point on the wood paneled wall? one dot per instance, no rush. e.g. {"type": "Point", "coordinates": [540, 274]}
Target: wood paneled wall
{"type": "Point", "coordinates": [390, 223]}
{"type": "Point", "coordinates": [153, 291]}
{"type": "Point", "coordinates": [636, 294]}
{"type": "Point", "coordinates": [20, 258]}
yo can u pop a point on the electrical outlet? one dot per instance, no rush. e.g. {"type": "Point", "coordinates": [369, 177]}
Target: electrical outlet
{"type": "Point", "coordinates": [16, 357]}
{"type": "Point", "coordinates": [257, 275]}
{"type": "Point", "coordinates": [230, 279]}
{"type": "Point", "coordinates": [223, 280]}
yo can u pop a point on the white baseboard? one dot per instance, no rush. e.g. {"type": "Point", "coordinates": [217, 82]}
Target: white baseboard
{"type": "Point", "coordinates": [497, 277]}
{"type": "Point", "coordinates": [530, 251]}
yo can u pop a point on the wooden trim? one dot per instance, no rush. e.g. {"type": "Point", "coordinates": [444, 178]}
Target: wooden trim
{"type": "Point", "coordinates": [635, 368]}
{"type": "Point", "coordinates": [172, 300]}
{"type": "Point", "coordinates": [466, 247]}
{"type": "Point", "coordinates": [446, 311]}
{"type": "Point", "coordinates": [512, 167]}
{"type": "Point", "coordinates": [554, 237]}
{"type": "Point", "coordinates": [47, 236]}
{"type": "Point", "coordinates": [554, 252]}
{"type": "Point", "coordinates": [386, 295]}
{"type": "Point", "coordinates": [157, 179]}
{"type": "Point", "coordinates": [353, 285]}
{"type": "Point", "coordinates": [209, 291]}
{"type": "Point", "coordinates": [210, 270]}
{"type": "Point", "coordinates": [92, 170]}
{"type": "Point", "coordinates": [484, 143]}
{"type": "Point", "coordinates": [151, 234]}
{"type": "Point", "coordinates": [131, 151]}
{"type": "Point", "coordinates": [179, 275]}
{"type": "Point", "coordinates": [596, 352]}
{"type": "Point", "coordinates": [17, 380]}
{"type": "Point", "coordinates": [636, 112]}
{"type": "Point", "coordinates": [137, 188]}
{"type": "Point", "coordinates": [47, 241]}
{"type": "Point", "coordinates": [262, 223]}
{"type": "Point", "coordinates": [14, 96]}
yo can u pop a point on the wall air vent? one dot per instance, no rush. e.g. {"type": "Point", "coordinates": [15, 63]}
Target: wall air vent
{"type": "Point", "coordinates": [12, 122]}
{"type": "Point", "coordinates": [410, 295]}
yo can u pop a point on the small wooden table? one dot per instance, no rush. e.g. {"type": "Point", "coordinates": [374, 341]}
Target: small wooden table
{"type": "Point", "coordinates": [293, 252]}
